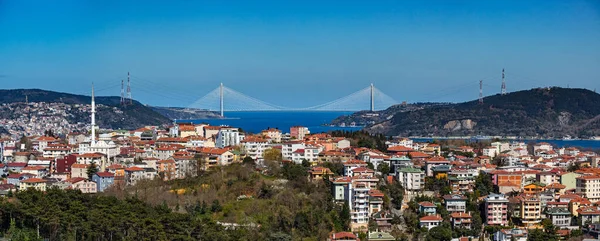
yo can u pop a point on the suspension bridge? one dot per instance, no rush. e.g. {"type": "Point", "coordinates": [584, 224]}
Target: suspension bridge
{"type": "Point", "coordinates": [224, 99]}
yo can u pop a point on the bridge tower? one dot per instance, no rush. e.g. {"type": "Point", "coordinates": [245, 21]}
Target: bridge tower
{"type": "Point", "coordinates": [372, 97]}
{"type": "Point", "coordinates": [221, 98]}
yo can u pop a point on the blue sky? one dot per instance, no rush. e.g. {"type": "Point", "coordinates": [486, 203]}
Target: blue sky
{"type": "Point", "coordinates": [298, 53]}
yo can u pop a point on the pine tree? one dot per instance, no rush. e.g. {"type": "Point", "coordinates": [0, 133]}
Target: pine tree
{"type": "Point", "coordinates": [92, 169]}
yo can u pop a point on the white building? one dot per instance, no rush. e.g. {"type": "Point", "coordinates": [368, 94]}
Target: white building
{"type": "Point", "coordinates": [501, 146]}
{"type": "Point", "coordinates": [255, 147]}
{"type": "Point", "coordinates": [589, 187]}
{"type": "Point", "coordinates": [490, 151]}
{"type": "Point", "coordinates": [288, 149]}
{"type": "Point", "coordinates": [405, 142]}
{"type": "Point", "coordinates": [511, 234]}
{"type": "Point", "coordinates": [228, 137]}
{"type": "Point", "coordinates": [496, 209]}
{"type": "Point", "coordinates": [412, 179]}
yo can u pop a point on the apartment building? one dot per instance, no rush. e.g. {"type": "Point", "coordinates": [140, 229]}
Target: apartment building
{"type": "Point", "coordinates": [589, 187]}
{"type": "Point", "coordinates": [496, 209]}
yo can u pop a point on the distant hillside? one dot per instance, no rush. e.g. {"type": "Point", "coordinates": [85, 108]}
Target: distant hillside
{"type": "Point", "coordinates": [132, 116]}
{"type": "Point", "coordinates": [544, 112]}
{"type": "Point", "coordinates": [179, 113]}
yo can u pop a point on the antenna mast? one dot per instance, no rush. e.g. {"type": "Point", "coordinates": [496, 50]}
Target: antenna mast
{"type": "Point", "coordinates": [481, 92]}
{"type": "Point", "coordinates": [122, 93]}
{"type": "Point", "coordinates": [129, 89]}
{"type": "Point", "coordinates": [503, 83]}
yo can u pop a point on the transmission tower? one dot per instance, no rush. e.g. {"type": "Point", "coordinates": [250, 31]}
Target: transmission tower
{"type": "Point", "coordinates": [503, 92]}
{"type": "Point", "coordinates": [481, 92]}
{"type": "Point", "coordinates": [122, 93]}
{"type": "Point", "coordinates": [129, 89]}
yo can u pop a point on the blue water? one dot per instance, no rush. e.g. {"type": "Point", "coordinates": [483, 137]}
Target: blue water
{"type": "Point", "coordinates": [255, 122]}
{"type": "Point", "coordinates": [591, 144]}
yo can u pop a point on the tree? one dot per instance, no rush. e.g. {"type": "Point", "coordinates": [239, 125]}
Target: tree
{"type": "Point", "coordinates": [248, 161]}
{"type": "Point", "coordinates": [91, 170]}
{"type": "Point", "coordinates": [574, 166]}
{"type": "Point", "coordinates": [272, 155]}
{"type": "Point", "coordinates": [440, 233]}
{"type": "Point", "coordinates": [483, 183]}
{"type": "Point", "coordinates": [384, 168]}
{"type": "Point", "coordinates": [305, 163]}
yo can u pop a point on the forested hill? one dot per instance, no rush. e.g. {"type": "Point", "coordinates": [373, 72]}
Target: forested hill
{"type": "Point", "coordinates": [544, 112]}
{"type": "Point", "coordinates": [133, 115]}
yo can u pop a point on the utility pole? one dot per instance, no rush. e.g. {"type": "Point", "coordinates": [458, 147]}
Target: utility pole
{"type": "Point", "coordinates": [503, 92]}
{"type": "Point", "coordinates": [480, 91]}
{"type": "Point", "coordinates": [372, 98]}
{"type": "Point", "coordinates": [221, 98]}
{"type": "Point", "coordinates": [129, 89]}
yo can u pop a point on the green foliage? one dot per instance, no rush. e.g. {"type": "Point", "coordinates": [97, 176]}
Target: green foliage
{"type": "Point", "coordinates": [483, 184]}
{"type": "Point", "coordinates": [522, 113]}
{"type": "Point", "coordinates": [574, 166]}
{"type": "Point", "coordinates": [279, 210]}
{"type": "Point", "coordinates": [272, 155]}
{"type": "Point", "coordinates": [547, 234]}
{"type": "Point", "coordinates": [363, 139]}
{"type": "Point", "coordinates": [336, 167]}
{"type": "Point", "coordinates": [248, 161]}
{"type": "Point", "coordinates": [440, 233]}
{"type": "Point", "coordinates": [437, 185]}
{"type": "Point", "coordinates": [396, 194]}
{"type": "Point", "coordinates": [384, 168]}
{"type": "Point", "coordinates": [91, 170]}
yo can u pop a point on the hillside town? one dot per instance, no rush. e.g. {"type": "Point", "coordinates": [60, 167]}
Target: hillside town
{"type": "Point", "coordinates": [35, 118]}
{"type": "Point", "coordinates": [404, 189]}
{"type": "Point", "coordinates": [504, 191]}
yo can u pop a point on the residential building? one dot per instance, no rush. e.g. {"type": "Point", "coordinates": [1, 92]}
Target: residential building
{"type": "Point", "coordinates": [569, 180]}
{"type": "Point", "coordinates": [79, 170]}
{"type": "Point", "coordinates": [589, 214]}
{"type": "Point", "coordinates": [412, 179]}
{"type": "Point", "coordinates": [511, 235]}
{"type": "Point", "coordinates": [589, 187]}
{"type": "Point", "coordinates": [273, 134]}
{"type": "Point", "coordinates": [427, 208]}
{"type": "Point", "coordinates": [531, 210]}
{"type": "Point", "coordinates": [317, 173]}
{"type": "Point", "coordinates": [82, 184]}
{"type": "Point", "coordinates": [430, 222]}
{"type": "Point", "coordinates": [228, 137]}
{"type": "Point", "coordinates": [298, 132]}
{"type": "Point", "coordinates": [461, 220]}
{"type": "Point", "coordinates": [432, 162]}
{"type": "Point", "coordinates": [255, 147]}
{"type": "Point", "coordinates": [103, 180]}
{"type": "Point", "coordinates": [288, 149]}
{"type": "Point", "coordinates": [342, 236]}
{"type": "Point", "coordinates": [496, 209]}
{"type": "Point", "coordinates": [561, 217]}
{"type": "Point", "coordinates": [455, 203]}
{"type": "Point", "coordinates": [341, 189]}
{"type": "Point", "coordinates": [35, 183]}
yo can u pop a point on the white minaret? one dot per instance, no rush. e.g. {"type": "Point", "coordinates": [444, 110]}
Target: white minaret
{"type": "Point", "coordinates": [93, 142]}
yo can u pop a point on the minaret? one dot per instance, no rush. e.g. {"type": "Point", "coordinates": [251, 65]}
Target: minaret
{"type": "Point", "coordinates": [93, 118]}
